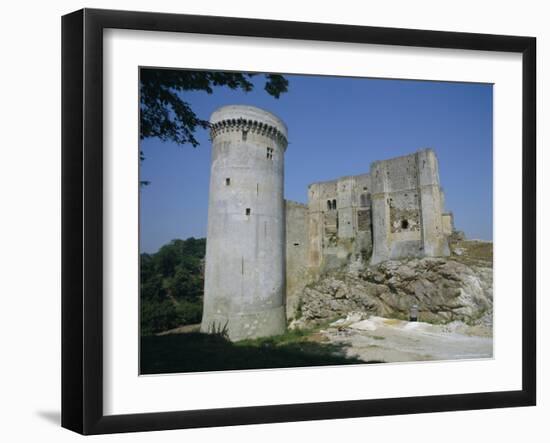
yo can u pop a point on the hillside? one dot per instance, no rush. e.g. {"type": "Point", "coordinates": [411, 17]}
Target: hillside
{"type": "Point", "coordinates": [455, 288]}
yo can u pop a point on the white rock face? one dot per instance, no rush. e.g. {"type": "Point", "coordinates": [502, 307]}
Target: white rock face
{"type": "Point", "coordinates": [365, 325]}
{"type": "Point", "coordinates": [351, 319]}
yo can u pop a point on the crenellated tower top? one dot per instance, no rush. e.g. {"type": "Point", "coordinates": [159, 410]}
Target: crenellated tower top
{"type": "Point", "coordinates": [249, 119]}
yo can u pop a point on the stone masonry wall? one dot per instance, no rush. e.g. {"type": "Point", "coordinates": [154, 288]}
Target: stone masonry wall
{"type": "Point", "coordinates": [297, 270]}
{"type": "Point", "coordinates": [340, 222]}
{"type": "Point", "coordinates": [407, 207]}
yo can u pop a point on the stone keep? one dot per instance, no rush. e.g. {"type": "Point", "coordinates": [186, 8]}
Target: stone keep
{"type": "Point", "coordinates": [395, 211]}
{"type": "Point", "coordinates": [245, 252]}
{"type": "Point", "coordinates": [407, 208]}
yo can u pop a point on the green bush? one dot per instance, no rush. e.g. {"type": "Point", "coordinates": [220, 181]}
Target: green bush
{"type": "Point", "coordinates": [189, 312]}
{"type": "Point", "coordinates": [171, 285]}
{"type": "Point", "coordinates": [157, 316]}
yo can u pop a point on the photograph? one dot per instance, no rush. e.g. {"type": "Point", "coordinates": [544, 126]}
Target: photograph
{"type": "Point", "coordinates": [293, 220]}
{"type": "Point", "coordinates": [251, 222]}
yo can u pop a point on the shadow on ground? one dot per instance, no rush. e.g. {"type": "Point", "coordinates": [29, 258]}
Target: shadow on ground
{"type": "Point", "coordinates": [194, 352]}
{"type": "Point", "coordinates": [54, 417]}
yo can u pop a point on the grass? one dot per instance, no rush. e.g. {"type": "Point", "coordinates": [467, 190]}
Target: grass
{"type": "Point", "coordinates": [474, 252]}
{"type": "Point", "coordinates": [197, 352]}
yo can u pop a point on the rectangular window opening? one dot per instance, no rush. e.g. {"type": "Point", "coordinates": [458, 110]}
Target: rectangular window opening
{"type": "Point", "coordinates": [247, 211]}
{"type": "Point", "coordinates": [227, 181]}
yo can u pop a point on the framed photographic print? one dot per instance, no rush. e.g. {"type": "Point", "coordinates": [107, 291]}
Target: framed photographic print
{"type": "Point", "coordinates": [269, 221]}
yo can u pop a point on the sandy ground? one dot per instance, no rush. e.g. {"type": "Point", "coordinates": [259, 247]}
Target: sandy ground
{"type": "Point", "coordinates": [388, 340]}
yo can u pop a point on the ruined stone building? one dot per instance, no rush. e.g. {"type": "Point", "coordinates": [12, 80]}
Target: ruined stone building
{"type": "Point", "coordinates": [262, 251]}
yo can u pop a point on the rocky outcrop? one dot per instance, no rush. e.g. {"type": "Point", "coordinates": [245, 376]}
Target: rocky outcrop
{"type": "Point", "coordinates": [443, 289]}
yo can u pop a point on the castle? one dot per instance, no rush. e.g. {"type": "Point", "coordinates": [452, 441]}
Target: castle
{"type": "Point", "coordinates": [262, 250]}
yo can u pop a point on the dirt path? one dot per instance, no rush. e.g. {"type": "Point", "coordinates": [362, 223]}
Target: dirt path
{"type": "Point", "coordinates": [390, 340]}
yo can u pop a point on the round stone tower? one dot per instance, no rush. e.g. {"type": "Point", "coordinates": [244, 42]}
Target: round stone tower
{"type": "Point", "coordinates": [244, 291]}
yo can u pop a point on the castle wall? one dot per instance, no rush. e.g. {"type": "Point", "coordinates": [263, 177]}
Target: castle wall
{"type": "Point", "coordinates": [345, 198]}
{"type": "Point", "coordinates": [339, 222]}
{"type": "Point", "coordinates": [245, 252]}
{"type": "Point", "coordinates": [297, 240]}
{"type": "Point", "coordinates": [322, 223]}
{"type": "Point", "coordinates": [434, 240]}
{"type": "Point", "coordinates": [448, 223]}
{"type": "Point", "coordinates": [362, 220]}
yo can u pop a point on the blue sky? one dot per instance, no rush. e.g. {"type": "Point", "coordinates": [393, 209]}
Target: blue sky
{"type": "Point", "coordinates": [337, 126]}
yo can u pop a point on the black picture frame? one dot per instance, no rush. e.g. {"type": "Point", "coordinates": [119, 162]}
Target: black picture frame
{"type": "Point", "coordinates": [82, 218]}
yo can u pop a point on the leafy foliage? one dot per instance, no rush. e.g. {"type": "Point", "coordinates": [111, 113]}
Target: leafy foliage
{"type": "Point", "coordinates": [171, 285]}
{"type": "Point", "coordinates": [164, 114]}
